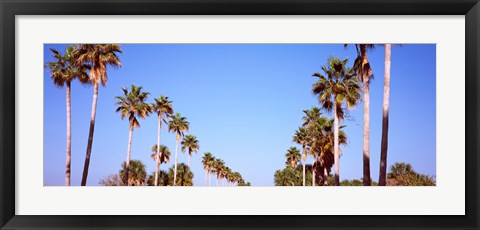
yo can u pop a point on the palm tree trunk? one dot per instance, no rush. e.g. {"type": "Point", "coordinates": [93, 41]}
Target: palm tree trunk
{"type": "Point", "coordinates": [69, 138]}
{"type": "Point", "coordinates": [176, 160]}
{"type": "Point", "coordinates": [366, 133]}
{"type": "Point", "coordinates": [382, 180]}
{"type": "Point", "coordinates": [335, 144]}
{"type": "Point", "coordinates": [366, 129]}
{"type": "Point", "coordinates": [313, 171]}
{"type": "Point", "coordinates": [303, 165]}
{"type": "Point", "coordinates": [216, 182]}
{"type": "Point", "coordinates": [157, 160]}
{"type": "Point", "coordinates": [90, 135]}
{"type": "Point", "coordinates": [129, 148]}
{"type": "Point", "coordinates": [188, 161]}
{"type": "Point", "coordinates": [325, 176]}
{"type": "Point", "coordinates": [206, 177]}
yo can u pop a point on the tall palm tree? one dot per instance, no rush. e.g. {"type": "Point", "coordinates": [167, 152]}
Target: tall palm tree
{"type": "Point", "coordinates": [365, 74]}
{"type": "Point", "coordinates": [98, 56]}
{"type": "Point", "coordinates": [134, 175]}
{"type": "Point", "coordinates": [382, 180]}
{"type": "Point", "coordinates": [336, 86]}
{"type": "Point", "coordinates": [164, 109]}
{"type": "Point", "coordinates": [159, 155]}
{"type": "Point", "coordinates": [293, 156]}
{"type": "Point", "coordinates": [62, 72]}
{"type": "Point", "coordinates": [301, 138]}
{"type": "Point", "coordinates": [191, 144]}
{"type": "Point", "coordinates": [207, 161]}
{"type": "Point", "coordinates": [177, 125]}
{"type": "Point", "coordinates": [131, 105]}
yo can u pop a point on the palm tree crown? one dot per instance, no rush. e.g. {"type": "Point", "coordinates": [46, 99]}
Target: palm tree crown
{"type": "Point", "coordinates": [338, 83]}
{"type": "Point", "coordinates": [133, 104]}
{"type": "Point", "coordinates": [293, 156]}
{"type": "Point", "coordinates": [64, 69]}
{"type": "Point", "coordinates": [178, 125]}
{"type": "Point", "coordinates": [164, 156]}
{"type": "Point", "coordinates": [163, 107]}
{"type": "Point", "coordinates": [99, 56]}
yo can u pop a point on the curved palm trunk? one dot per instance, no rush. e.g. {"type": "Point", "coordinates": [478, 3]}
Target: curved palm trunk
{"type": "Point", "coordinates": [313, 171]}
{"type": "Point", "coordinates": [176, 160]}
{"type": "Point", "coordinates": [129, 148]}
{"type": "Point", "coordinates": [90, 135]}
{"type": "Point", "coordinates": [69, 138]}
{"type": "Point", "coordinates": [188, 161]}
{"type": "Point", "coordinates": [366, 124]}
{"type": "Point", "coordinates": [157, 160]}
{"type": "Point", "coordinates": [382, 180]}
{"type": "Point", "coordinates": [335, 144]}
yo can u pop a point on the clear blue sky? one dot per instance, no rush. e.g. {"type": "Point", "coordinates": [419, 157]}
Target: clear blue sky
{"type": "Point", "coordinates": [243, 102]}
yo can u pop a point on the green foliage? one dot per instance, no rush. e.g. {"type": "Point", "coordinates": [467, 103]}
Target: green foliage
{"type": "Point", "coordinates": [191, 144]}
{"type": "Point", "coordinates": [163, 179]}
{"type": "Point", "coordinates": [402, 174]}
{"type": "Point", "coordinates": [293, 176]}
{"type": "Point", "coordinates": [133, 104]}
{"type": "Point", "coordinates": [136, 173]}
{"type": "Point", "coordinates": [184, 175]}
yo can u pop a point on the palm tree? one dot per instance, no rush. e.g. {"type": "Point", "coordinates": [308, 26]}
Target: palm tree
{"type": "Point", "coordinates": [183, 174]}
{"type": "Point", "coordinates": [132, 105]}
{"type": "Point", "coordinates": [293, 156]}
{"type": "Point", "coordinates": [178, 125]}
{"type": "Point", "coordinates": [301, 137]}
{"type": "Point", "coordinates": [382, 180]}
{"type": "Point", "coordinates": [311, 120]}
{"type": "Point", "coordinates": [338, 85]}
{"type": "Point", "coordinates": [134, 175]}
{"type": "Point", "coordinates": [236, 177]}
{"type": "Point", "coordinates": [164, 109]}
{"type": "Point", "coordinates": [364, 72]}
{"type": "Point", "coordinates": [190, 143]}
{"type": "Point", "coordinates": [159, 155]}
{"type": "Point", "coordinates": [99, 56]}
{"type": "Point", "coordinates": [207, 161]}
{"type": "Point", "coordinates": [63, 71]}
{"type": "Point", "coordinates": [218, 166]}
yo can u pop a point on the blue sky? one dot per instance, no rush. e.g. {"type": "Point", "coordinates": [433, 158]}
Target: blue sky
{"type": "Point", "coordinates": [243, 102]}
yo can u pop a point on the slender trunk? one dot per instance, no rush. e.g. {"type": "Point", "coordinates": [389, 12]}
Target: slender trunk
{"type": "Point", "coordinates": [366, 120]}
{"type": "Point", "coordinates": [313, 171]}
{"type": "Point", "coordinates": [90, 135]}
{"type": "Point", "coordinates": [129, 148]}
{"type": "Point", "coordinates": [303, 165]}
{"type": "Point", "coordinates": [188, 160]}
{"type": "Point", "coordinates": [176, 160]}
{"type": "Point", "coordinates": [325, 175]}
{"type": "Point", "coordinates": [335, 144]}
{"type": "Point", "coordinates": [206, 177]}
{"type": "Point", "coordinates": [69, 138]}
{"type": "Point", "coordinates": [157, 158]}
{"type": "Point", "coordinates": [382, 180]}
{"type": "Point", "coordinates": [366, 132]}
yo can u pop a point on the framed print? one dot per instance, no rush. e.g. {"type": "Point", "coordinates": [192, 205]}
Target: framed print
{"type": "Point", "coordinates": [241, 114]}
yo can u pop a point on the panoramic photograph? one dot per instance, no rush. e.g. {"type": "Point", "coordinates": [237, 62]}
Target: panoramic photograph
{"type": "Point", "coordinates": [225, 115]}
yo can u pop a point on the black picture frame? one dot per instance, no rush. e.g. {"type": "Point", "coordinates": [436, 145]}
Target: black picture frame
{"type": "Point", "coordinates": [10, 8]}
